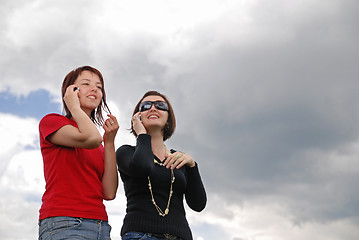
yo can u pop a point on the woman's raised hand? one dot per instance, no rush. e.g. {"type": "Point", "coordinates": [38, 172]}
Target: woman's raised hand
{"type": "Point", "coordinates": [178, 160]}
{"type": "Point", "coordinates": [137, 124]}
{"type": "Point", "coordinates": [110, 126]}
{"type": "Point", "coordinates": [71, 97]}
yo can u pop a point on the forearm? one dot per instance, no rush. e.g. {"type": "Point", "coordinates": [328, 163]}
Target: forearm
{"type": "Point", "coordinates": [88, 130]}
{"type": "Point", "coordinates": [110, 176]}
{"type": "Point", "coordinates": [142, 161]}
{"type": "Point", "coordinates": [136, 161]}
{"type": "Point", "coordinates": [195, 195]}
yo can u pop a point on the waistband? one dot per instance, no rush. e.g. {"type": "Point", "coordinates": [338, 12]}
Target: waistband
{"type": "Point", "coordinates": [164, 236]}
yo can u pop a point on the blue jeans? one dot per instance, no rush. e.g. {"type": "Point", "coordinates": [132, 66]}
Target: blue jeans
{"type": "Point", "coordinates": [56, 228]}
{"type": "Point", "coordinates": [141, 236]}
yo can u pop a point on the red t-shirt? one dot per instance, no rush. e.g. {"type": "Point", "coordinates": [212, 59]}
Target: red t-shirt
{"type": "Point", "coordinates": [73, 175]}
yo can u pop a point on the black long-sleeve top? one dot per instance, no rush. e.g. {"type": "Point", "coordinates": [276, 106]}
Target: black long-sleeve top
{"type": "Point", "coordinates": [135, 164]}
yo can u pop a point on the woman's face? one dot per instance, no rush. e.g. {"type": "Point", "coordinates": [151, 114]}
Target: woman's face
{"type": "Point", "coordinates": [90, 94]}
{"type": "Point", "coordinates": [154, 117]}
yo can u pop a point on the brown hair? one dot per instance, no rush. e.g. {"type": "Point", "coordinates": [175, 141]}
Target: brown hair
{"type": "Point", "coordinates": [96, 114]}
{"type": "Point", "coordinates": [171, 121]}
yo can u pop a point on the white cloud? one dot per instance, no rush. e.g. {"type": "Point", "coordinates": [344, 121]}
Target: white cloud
{"type": "Point", "coordinates": [19, 132]}
{"type": "Point", "coordinates": [271, 221]}
{"type": "Point", "coordinates": [21, 177]}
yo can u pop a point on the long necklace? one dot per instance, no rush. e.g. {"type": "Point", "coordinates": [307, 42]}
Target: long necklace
{"type": "Point", "coordinates": [159, 210]}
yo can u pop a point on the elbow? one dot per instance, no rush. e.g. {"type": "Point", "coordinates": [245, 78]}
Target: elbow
{"type": "Point", "coordinates": [109, 196]}
{"type": "Point", "coordinates": [93, 142]}
{"type": "Point", "coordinates": [94, 145]}
{"type": "Point", "coordinates": [198, 204]}
{"type": "Point", "coordinates": [199, 208]}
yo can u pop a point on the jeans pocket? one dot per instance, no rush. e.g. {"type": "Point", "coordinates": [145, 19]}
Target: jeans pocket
{"type": "Point", "coordinates": [132, 235]}
{"type": "Point", "coordinates": [49, 227]}
{"type": "Point", "coordinates": [65, 223]}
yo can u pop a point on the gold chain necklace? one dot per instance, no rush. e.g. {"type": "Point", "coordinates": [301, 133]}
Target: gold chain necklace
{"type": "Point", "coordinates": [159, 210]}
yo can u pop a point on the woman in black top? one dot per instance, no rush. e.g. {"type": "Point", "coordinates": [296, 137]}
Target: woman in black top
{"type": "Point", "coordinates": [156, 179]}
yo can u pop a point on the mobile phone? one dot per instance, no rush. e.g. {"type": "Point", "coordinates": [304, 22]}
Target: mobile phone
{"type": "Point", "coordinates": [76, 89]}
{"type": "Point", "coordinates": [140, 117]}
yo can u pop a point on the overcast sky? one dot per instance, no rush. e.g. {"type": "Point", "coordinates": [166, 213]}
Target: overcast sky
{"type": "Point", "coordinates": [265, 93]}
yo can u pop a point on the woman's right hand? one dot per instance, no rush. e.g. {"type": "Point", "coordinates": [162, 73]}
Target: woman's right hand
{"type": "Point", "coordinates": [137, 124]}
{"type": "Point", "coordinates": [71, 97]}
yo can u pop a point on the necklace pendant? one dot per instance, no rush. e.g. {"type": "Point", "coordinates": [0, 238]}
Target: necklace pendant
{"type": "Point", "coordinates": [167, 211]}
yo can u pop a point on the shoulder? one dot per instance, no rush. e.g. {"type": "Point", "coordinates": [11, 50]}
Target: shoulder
{"type": "Point", "coordinates": [125, 148]}
{"type": "Point", "coordinates": [123, 154]}
{"type": "Point", "coordinates": [53, 117]}
{"type": "Point", "coordinates": [52, 122]}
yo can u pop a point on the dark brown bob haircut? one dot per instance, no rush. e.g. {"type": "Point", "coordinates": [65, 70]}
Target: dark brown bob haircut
{"type": "Point", "coordinates": [96, 114]}
{"type": "Point", "coordinates": [171, 121]}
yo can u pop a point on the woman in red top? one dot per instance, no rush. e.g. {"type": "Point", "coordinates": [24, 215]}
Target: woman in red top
{"type": "Point", "coordinates": [79, 171]}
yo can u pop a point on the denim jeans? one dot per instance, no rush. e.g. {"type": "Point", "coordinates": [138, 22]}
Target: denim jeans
{"type": "Point", "coordinates": [56, 228]}
{"type": "Point", "coordinates": [141, 236]}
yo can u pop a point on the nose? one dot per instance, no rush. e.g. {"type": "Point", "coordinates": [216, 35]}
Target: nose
{"type": "Point", "coordinates": [153, 107]}
{"type": "Point", "coordinates": [94, 88]}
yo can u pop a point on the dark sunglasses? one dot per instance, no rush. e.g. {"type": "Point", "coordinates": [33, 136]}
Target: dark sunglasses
{"type": "Point", "coordinates": [146, 105]}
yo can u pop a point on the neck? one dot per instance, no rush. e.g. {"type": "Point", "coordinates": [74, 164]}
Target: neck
{"type": "Point", "coordinates": [87, 111]}
{"type": "Point", "coordinates": [158, 147]}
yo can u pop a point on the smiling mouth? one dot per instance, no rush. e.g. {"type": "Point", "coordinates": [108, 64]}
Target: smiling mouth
{"type": "Point", "coordinates": [92, 97]}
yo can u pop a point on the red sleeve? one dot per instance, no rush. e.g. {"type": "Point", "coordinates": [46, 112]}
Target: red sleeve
{"type": "Point", "coordinates": [50, 124]}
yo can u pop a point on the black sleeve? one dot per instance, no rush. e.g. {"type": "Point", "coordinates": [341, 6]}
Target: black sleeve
{"type": "Point", "coordinates": [136, 161]}
{"type": "Point", "coordinates": [196, 197]}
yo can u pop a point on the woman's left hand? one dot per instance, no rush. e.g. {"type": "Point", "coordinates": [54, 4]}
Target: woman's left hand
{"type": "Point", "coordinates": [178, 160]}
{"type": "Point", "coordinates": [110, 126]}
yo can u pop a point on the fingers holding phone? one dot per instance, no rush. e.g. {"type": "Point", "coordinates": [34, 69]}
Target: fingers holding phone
{"type": "Point", "coordinates": [71, 97]}
{"type": "Point", "coordinates": [137, 124]}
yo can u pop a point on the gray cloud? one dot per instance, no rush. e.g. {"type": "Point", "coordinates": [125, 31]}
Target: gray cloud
{"type": "Point", "coordinates": [266, 98]}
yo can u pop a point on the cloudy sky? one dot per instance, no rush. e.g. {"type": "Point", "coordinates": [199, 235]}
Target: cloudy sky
{"type": "Point", "coordinates": [265, 93]}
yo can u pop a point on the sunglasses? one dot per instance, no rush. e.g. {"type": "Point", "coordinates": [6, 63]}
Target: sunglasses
{"type": "Point", "coordinates": [146, 105]}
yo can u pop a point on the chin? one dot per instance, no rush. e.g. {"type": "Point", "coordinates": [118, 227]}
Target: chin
{"type": "Point", "coordinates": [91, 108]}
